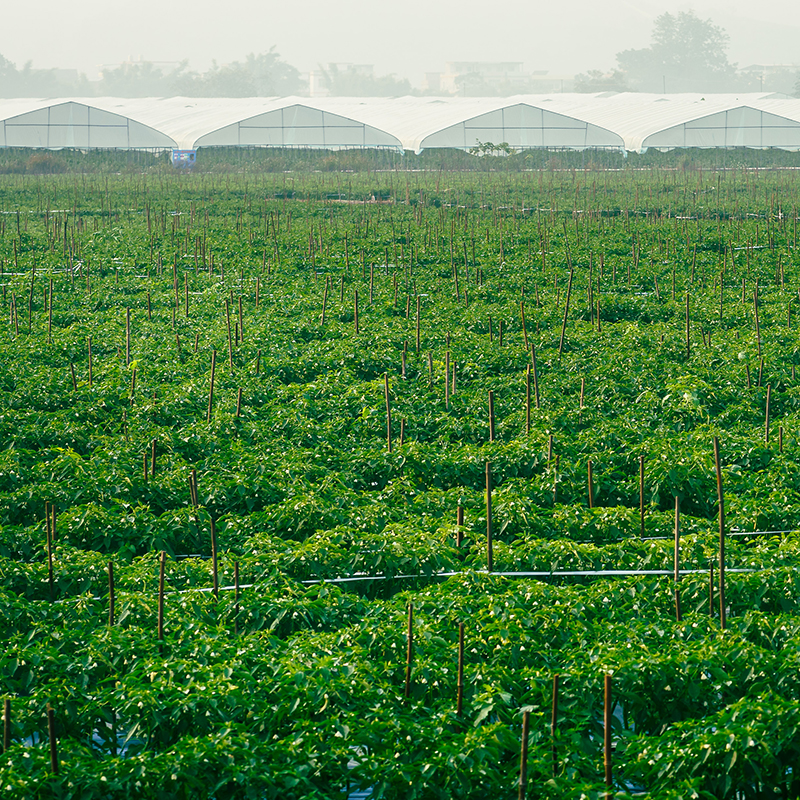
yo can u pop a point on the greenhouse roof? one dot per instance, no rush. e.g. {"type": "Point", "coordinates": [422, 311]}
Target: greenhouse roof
{"type": "Point", "coordinates": [632, 121]}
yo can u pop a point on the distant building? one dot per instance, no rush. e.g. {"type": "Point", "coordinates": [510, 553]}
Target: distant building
{"type": "Point", "coordinates": [474, 78]}
{"type": "Point", "coordinates": [772, 77]}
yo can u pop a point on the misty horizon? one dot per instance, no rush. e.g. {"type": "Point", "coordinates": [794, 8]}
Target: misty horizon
{"type": "Point", "coordinates": [544, 39]}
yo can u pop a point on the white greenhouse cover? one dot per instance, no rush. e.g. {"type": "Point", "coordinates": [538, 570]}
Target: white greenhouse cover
{"type": "Point", "coordinates": [629, 121]}
{"type": "Point", "coordinates": [74, 124]}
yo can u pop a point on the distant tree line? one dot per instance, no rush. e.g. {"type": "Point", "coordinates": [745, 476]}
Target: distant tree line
{"type": "Point", "coordinates": [687, 54]}
{"type": "Point", "coordinates": [262, 75]}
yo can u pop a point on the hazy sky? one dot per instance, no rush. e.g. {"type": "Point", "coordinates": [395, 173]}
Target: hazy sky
{"type": "Point", "coordinates": [409, 40]}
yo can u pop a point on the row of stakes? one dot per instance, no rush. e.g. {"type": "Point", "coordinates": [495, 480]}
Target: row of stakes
{"type": "Point", "coordinates": [523, 767]}
{"type": "Point", "coordinates": [51, 527]}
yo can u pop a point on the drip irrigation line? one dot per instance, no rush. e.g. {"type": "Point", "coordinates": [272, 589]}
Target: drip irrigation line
{"type": "Point", "coordinates": [541, 574]}
{"type": "Point", "coordinates": [203, 557]}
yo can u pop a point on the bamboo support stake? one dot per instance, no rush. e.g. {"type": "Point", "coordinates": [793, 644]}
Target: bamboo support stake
{"type": "Point", "coordinates": [324, 304]}
{"type": "Point", "coordinates": [641, 496]}
{"type": "Point", "coordinates": [418, 324]}
{"type": "Point", "coordinates": [607, 706]}
{"type": "Point", "coordinates": [74, 379]}
{"type": "Point", "coordinates": [236, 597]}
{"type": "Point", "coordinates": [409, 650]}
{"type": "Point", "coordinates": [489, 548]}
{"type": "Point", "coordinates": [50, 579]}
{"type": "Point", "coordinates": [528, 399]}
{"type": "Point", "coordinates": [688, 337]}
{"type": "Point", "coordinates": [721, 502]}
{"type": "Point", "coordinates": [127, 337]}
{"type": "Point", "coordinates": [554, 724]}
{"type": "Point", "coordinates": [153, 445]}
{"type": "Point", "coordinates": [111, 593]}
{"type": "Point", "coordinates": [459, 525]}
{"type": "Point", "coordinates": [566, 312]}
{"type": "Point", "coordinates": [447, 381]}
{"type": "Point", "coordinates": [491, 416]}
{"type": "Point", "coordinates": [239, 403]}
{"type": "Point", "coordinates": [211, 384]}
{"type": "Point", "coordinates": [589, 482]}
{"type": "Point", "coordinates": [388, 412]}
{"type": "Point", "coordinates": [460, 685]}
{"type": "Point", "coordinates": [6, 724]}
{"type": "Point", "coordinates": [51, 733]}
{"type": "Point", "coordinates": [524, 328]}
{"type": "Point", "coordinates": [161, 571]}
{"type": "Point", "coordinates": [766, 415]}
{"type": "Point", "coordinates": [214, 564]}
{"type": "Point", "coordinates": [241, 321]}
{"type": "Point", "coordinates": [758, 326]}
{"type": "Point", "coordinates": [676, 558]}
{"type": "Point", "coordinates": [230, 338]}
{"type": "Point", "coordinates": [535, 376]}
{"type": "Point", "coordinates": [711, 589]}
{"type": "Point", "coordinates": [50, 315]}
{"type": "Point", "coordinates": [523, 755]}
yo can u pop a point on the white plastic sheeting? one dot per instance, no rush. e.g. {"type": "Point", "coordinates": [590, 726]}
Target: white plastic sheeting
{"type": "Point", "coordinates": [523, 126]}
{"type": "Point", "coordinates": [756, 120]}
{"type": "Point", "coordinates": [299, 125]}
{"type": "Point", "coordinates": [630, 121]}
{"type": "Point", "coordinates": [77, 125]}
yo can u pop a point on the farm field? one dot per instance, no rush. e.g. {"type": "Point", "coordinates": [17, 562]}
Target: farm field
{"type": "Point", "coordinates": [318, 485]}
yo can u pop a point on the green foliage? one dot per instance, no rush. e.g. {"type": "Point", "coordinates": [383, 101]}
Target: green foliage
{"type": "Point", "coordinates": [295, 687]}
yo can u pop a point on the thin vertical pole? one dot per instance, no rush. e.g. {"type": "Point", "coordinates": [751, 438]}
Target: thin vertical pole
{"type": "Point", "coordinates": [535, 376]}
{"type": "Point", "coordinates": [590, 481]}
{"type": "Point", "coordinates": [676, 559]}
{"type": "Point", "coordinates": [460, 688]}
{"type": "Point", "coordinates": [211, 384]}
{"type": "Point", "coordinates": [409, 649]}
{"type": "Point", "coordinates": [161, 569]}
{"type": "Point", "coordinates": [688, 337]}
{"type": "Point", "coordinates": [50, 579]}
{"type": "Point", "coordinates": [641, 496]}
{"type": "Point", "coordinates": [388, 412]}
{"type": "Point", "coordinates": [127, 337]}
{"type": "Point", "coordinates": [214, 565]}
{"type": "Point", "coordinates": [554, 724]}
{"type": "Point", "coordinates": [710, 588]}
{"type": "Point", "coordinates": [489, 554]}
{"type": "Point", "coordinates": [766, 415]}
{"type": "Point", "coordinates": [566, 313]}
{"type": "Point", "coordinates": [236, 597]}
{"type": "Point", "coordinates": [51, 732]}
{"type": "Point", "coordinates": [447, 380]}
{"type": "Point", "coordinates": [607, 735]}
{"type": "Point", "coordinates": [6, 724]}
{"type": "Point", "coordinates": [111, 596]}
{"type": "Point", "coordinates": [523, 755]}
{"type": "Point", "coordinates": [418, 329]}
{"type": "Point", "coordinates": [721, 502]}
{"type": "Point", "coordinates": [528, 399]}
